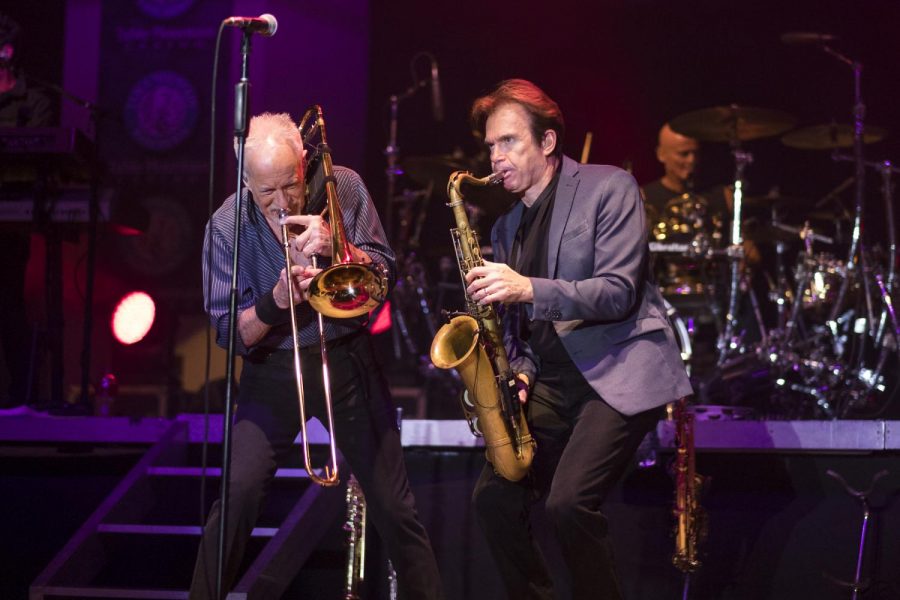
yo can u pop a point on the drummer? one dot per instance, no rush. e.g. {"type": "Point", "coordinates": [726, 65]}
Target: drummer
{"type": "Point", "coordinates": [678, 155]}
{"type": "Point", "coordinates": [673, 206]}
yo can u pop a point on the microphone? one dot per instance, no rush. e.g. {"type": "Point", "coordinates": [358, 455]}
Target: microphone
{"type": "Point", "coordinates": [437, 106]}
{"type": "Point", "coordinates": [797, 38]}
{"type": "Point", "coordinates": [265, 25]}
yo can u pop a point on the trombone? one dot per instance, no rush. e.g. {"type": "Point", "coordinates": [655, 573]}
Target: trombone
{"type": "Point", "coordinates": [345, 289]}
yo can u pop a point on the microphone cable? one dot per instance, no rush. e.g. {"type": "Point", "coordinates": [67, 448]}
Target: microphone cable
{"type": "Point", "coordinates": [207, 280]}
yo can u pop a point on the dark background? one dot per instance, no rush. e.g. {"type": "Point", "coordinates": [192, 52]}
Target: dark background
{"type": "Point", "coordinates": [618, 69]}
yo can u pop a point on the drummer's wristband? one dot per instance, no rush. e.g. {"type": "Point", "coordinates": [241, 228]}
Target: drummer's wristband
{"type": "Point", "coordinates": [270, 313]}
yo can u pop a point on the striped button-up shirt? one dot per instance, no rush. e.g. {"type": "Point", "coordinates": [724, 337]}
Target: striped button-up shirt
{"type": "Point", "coordinates": [262, 259]}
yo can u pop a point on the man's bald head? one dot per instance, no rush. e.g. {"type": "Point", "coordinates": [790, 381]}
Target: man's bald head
{"type": "Point", "coordinates": [678, 154]}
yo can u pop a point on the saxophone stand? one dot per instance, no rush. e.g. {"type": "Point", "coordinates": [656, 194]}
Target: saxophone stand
{"type": "Point", "coordinates": [355, 526]}
{"type": "Point", "coordinates": [858, 584]}
{"type": "Point", "coordinates": [686, 586]}
{"type": "Point", "coordinates": [690, 519]}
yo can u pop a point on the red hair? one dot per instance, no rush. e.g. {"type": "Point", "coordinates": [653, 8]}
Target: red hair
{"type": "Point", "coordinates": [542, 110]}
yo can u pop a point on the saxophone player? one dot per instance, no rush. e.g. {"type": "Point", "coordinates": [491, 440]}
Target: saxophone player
{"type": "Point", "coordinates": [586, 333]}
{"type": "Point", "coordinates": [267, 418]}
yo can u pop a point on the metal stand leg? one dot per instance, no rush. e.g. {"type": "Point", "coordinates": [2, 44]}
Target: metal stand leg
{"type": "Point", "coordinates": [741, 160]}
{"type": "Point", "coordinates": [858, 584]}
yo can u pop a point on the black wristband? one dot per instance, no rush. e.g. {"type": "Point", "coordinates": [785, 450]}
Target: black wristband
{"type": "Point", "coordinates": [270, 313]}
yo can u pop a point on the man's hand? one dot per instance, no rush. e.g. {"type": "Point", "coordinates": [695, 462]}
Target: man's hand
{"type": "Point", "coordinates": [301, 278]}
{"type": "Point", "coordinates": [315, 238]}
{"type": "Point", "coordinates": [522, 387]}
{"type": "Point", "coordinates": [751, 253]}
{"type": "Point", "coordinates": [497, 282]}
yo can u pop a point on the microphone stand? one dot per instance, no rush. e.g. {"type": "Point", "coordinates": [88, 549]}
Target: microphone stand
{"type": "Point", "coordinates": [391, 151]}
{"type": "Point", "coordinates": [240, 134]}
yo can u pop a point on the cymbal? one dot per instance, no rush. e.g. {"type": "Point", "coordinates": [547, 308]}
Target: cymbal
{"type": "Point", "coordinates": [728, 123]}
{"type": "Point", "coordinates": [426, 169]}
{"type": "Point", "coordinates": [764, 234]}
{"type": "Point", "coordinates": [829, 137]}
{"type": "Point", "coordinates": [772, 199]}
{"type": "Point", "coordinates": [828, 215]}
{"type": "Point", "coordinates": [779, 232]}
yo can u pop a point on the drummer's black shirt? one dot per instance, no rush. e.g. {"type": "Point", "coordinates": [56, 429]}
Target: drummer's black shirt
{"type": "Point", "coordinates": [656, 195]}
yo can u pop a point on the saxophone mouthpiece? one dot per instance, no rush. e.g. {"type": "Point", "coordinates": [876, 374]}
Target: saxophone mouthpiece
{"type": "Point", "coordinates": [495, 178]}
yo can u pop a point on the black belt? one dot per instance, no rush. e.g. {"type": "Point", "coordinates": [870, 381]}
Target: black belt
{"type": "Point", "coordinates": [276, 356]}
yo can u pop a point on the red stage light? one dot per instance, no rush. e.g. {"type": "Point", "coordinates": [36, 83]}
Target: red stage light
{"type": "Point", "coordinates": [382, 319]}
{"type": "Point", "coordinates": [133, 317]}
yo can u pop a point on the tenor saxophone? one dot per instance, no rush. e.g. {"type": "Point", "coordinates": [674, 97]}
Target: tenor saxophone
{"type": "Point", "coordinates": [690, 518]}
{"type": "Point", "coordinates": [472, 343]}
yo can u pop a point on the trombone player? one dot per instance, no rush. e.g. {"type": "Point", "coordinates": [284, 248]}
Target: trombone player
{"type": "Point", "coordinates": [267, 417]}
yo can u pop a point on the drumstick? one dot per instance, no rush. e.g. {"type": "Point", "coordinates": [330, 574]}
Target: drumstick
{"type": "Point", "coordinates": [586, 150]}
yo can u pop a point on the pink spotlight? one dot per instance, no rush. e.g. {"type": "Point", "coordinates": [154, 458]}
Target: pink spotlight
{"type": "Point", "coordinates": [382, 321]}
{"type": "Point", "coordinates": [133, 317]}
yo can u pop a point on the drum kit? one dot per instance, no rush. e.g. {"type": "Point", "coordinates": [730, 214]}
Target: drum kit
{"type": "Point", "coordinates": [822, 340]}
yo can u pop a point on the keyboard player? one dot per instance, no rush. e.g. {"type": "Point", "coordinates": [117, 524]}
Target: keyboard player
{"type": "Point", "coordinates": [20, 106]}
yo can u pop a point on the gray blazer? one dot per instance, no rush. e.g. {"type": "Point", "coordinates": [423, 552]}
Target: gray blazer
{"type": "Point", "coordinates": [608, 314]}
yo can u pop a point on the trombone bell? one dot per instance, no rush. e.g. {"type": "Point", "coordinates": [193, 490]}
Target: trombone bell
{"type": "Point", "coordinates": [347, 290]}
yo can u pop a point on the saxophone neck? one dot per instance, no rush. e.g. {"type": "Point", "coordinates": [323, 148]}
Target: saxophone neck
{"type": "Point", "coordinates": [458, 178]}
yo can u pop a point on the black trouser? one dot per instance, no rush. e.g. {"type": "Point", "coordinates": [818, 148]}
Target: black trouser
{"type": "Point", "coordinates": [13, 318]}
{"type": "Point", "coordinates": [267, 421]}
{"type": "Point", "coordinates": [583, 446]}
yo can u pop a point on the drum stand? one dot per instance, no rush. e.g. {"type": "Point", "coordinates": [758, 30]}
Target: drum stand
{"type": "Point", "coordinates": [854, 333]}
{"type": "Point", "coordinates": [886, 169]}
{"type": "Point", "coordinates": [856, 258]}
{"type": "Point", "coordinates": [875, 282]}
{"type": "Point", "coordinates": [779, 293]}
{"type": "Point", "coordinates": [727, 341]}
